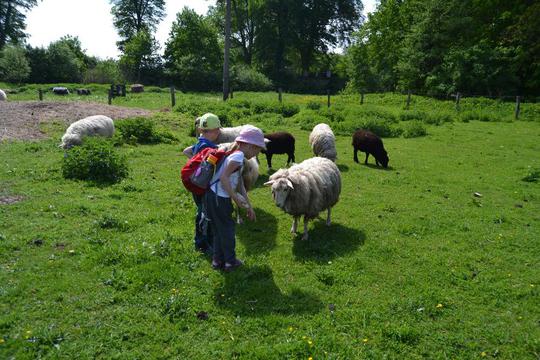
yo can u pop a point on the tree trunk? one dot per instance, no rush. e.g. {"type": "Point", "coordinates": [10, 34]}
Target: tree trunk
{"type": "Point", "coordinates": [227, 49]}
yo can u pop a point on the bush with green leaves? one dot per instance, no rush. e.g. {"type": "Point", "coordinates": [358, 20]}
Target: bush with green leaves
{"type": "Point", "coordinates": [313, 105]}
{"type": "Point", "coordinates": [414, 129]}
{"type": "Point", "coordinates": [96, 160]}
{"type": "Point", "coordinates": [141, 130]}
{"type": "Point", "coordinates": [245, 78]}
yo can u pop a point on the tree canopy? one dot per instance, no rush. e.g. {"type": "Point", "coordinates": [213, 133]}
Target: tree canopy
{"type": "Point", "coordinates": [12, 20]}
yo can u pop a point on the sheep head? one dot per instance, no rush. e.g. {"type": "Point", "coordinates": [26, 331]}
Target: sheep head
{"type": "Point", "coordinates": [68, 141]}
{"type": "Point", "coordinates": [281, 189]}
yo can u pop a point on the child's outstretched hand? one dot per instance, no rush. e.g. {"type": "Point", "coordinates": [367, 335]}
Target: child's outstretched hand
{"type": "Point", "coordinates": [251, 214]}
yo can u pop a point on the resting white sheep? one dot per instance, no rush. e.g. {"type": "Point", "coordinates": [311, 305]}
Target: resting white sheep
{"type": "Point", "coordinates": [306, 189]}
{"type": "Point", "coordinates": [250, 173]}
{"type": "Point", "coordinates": [97, 125]}
{"type": "Point", "coordinates": [323, 142]}
{"type": "Point", "coordinates": [3, 96]}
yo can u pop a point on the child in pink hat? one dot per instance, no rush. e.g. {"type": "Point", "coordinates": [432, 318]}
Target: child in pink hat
{"type": "Point", "coordinates": [222, 192]}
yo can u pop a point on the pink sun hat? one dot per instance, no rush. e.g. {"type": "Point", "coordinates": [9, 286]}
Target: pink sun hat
{"type": "Point", "coordinates": [252, 135]}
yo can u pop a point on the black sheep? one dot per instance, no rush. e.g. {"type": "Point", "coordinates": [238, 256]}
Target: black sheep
{"type": "Point", "coordinates": [368, 142]}
{"type": "Point", "coordinates": [279, 143]}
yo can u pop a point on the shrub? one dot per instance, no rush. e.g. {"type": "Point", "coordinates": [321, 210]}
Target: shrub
{"type": "Point", "coordinates": [247, 79]}
{"type": "Point", "coordinates": [478, 115]}
{"type": "Point", "coordinates": [96, 160]}
{"type": "Point", "coordinates": [142, 131]}
{"type": "Point", "coordinates": [307, 119]}
{"type": "Point", "coordinates": [287, 110]}
{"type": "Point", "coordinates": [412, 115]}
{"type": "Point", "coordinates": [313, 105]}
{"type": "Point", "coordinates": [414, 129]}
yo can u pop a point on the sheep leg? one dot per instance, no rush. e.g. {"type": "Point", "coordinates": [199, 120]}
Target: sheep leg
{"type": "Point", "coordinates": [269, 160]}
{"type": "Point", "coordinates": [290, 158]}
{"type": "Point", "coordinates": [305, 235]}
{"type": "Point", "coordinates": [367, 155]}
{"type": "Point", "coordinates": [328, 221]}
{"type": "Point", "coordinates": [355, 158]}
{"type": "Point", "coordinates": [294, 224]}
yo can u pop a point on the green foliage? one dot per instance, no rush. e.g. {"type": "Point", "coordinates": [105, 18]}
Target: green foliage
{"type": "Point", "coordinates": [96, 160]}
{"type": "Point", "coordinates": [140, 56]}
{"type": "Point", "coordinates": [104, 72]}
{"type": "Point", "coordinates": [414, 129]}
{"type": "Point", "coordinates": [440, 47]}
{"type": "Point", "coordinates": [313, 105]}
{"type": "Point", "coordinates": [141, 130]}
{"type": "Point", "coordinates": [12, 20]}
{"type": "Point", "coordinates": [245, 78]}
{"type": "Point", "coordinates": [133, 16]}
{"type": "Point", "coordinates": [14, 66]}
{"type": "Point", "coordinates": [532, 176]}
{"type": "Point", "coordinates": [192, 53]}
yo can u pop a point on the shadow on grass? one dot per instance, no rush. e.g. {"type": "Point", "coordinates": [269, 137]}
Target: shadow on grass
{"type": "Point", "coordinates": [374, 166]}
{"type": "Point", "coordinates": [258, 237]}
{"type": "Point", "coordinates": [326, 242]}
{"type": "Point", "coordinates": [252, 291]}
{"type": "Point", "coordinates": [343, 167]}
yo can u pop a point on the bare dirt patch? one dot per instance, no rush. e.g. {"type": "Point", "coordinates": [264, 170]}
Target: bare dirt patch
{"type": "Point", "coordinates": [21, 119]}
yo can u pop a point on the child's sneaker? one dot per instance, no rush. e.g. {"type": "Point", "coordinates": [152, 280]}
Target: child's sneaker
{"type": "Point", "coordinates": [230, 266]}
{"type": "Point", "coordinates": [217, 264]}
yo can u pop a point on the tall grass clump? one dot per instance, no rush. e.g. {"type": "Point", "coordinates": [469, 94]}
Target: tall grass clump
{"type": "Point", "coordinates": [141, 130]}
{"type": "Point", "coordinates": [96, 160]}
{"type": "Point", "coordinates": [414, 129]}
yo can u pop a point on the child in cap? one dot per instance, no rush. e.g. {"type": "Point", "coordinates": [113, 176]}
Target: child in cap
{"type": "Point", "coordinates": [209, 127]}
{"type": "Point", "coordinates": [218, 199]}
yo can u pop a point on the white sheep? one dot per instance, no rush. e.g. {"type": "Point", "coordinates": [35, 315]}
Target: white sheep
{"type": "Point", "coordinates": [3, 96]}
{"type": "Point", "coordinates": [229, 134]}
{"type": "Point", "coordinates": [250, 173]}
{"type": "Point", "coordinates": [306, 189]}
{"type": "Point", "coordinates": [323, 142]}
{"type": "Point", "coordinates": [99, 125]}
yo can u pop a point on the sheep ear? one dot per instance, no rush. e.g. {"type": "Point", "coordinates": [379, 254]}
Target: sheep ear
{"type": "Point", "coordinates": [266, 141]}
{"type": "Point", "coordinates": [289, 184]}
{"type": "Point", "coordinates": [269, 183]}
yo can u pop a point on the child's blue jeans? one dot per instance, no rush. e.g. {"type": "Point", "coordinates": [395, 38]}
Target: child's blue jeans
{"type": "Point", "coordinates": [220, 213]}
{"type": "Point", "coordinates": [203, 241]}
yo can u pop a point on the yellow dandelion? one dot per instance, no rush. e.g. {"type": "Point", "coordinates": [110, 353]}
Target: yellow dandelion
{"type": "Point", "coordinates": [365, 340]}
{"type": "Point", "coordinates": [27, 334]}
{"type": "Point", "coordinates": [483, 354]}
{"type": "Point", "coordinates": [2, 341]}
{"type": "Point", "coordinates": [291, 329]}
{"type": "Point", "coordinates": [310, 358]}
{"type": "Point", "coordinates": [304, 337]}
{"type": "Point", "coordinates": [532, 285]}
{"type": "Point", "coordinates": [439, 306]}
{"type": "Point", "coordinates": [310, 342]}
{"type": "Point", "coordinates": [520, 317]}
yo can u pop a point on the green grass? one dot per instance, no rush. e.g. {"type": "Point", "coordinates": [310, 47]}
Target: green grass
{"type": "Point", "coordinates": [110, 271]}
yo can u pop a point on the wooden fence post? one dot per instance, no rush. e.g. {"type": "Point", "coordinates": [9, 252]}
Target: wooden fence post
{"type": "Point", "coordinates": [40, 92]}
{"type": "Point", "coordinates": [173, 96]}
{"type": "Point", "coordinates": [279, 95]}
{"type": "Point", "coordinates": [516, 114]}
{"type": "Point", "coordinates": [361, 98]}
{"type": "Point", "coordinates": [328, 98]}
{"type": "Point", "coordinates": [458, 96]}
{"type": "Point", "coordinates": [408, 99]}
{"type": "Point", "coordinates": [110, 96]}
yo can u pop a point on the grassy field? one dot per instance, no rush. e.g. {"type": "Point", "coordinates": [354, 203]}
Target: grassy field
{"type": "Point", "coordinates": [414, 266]}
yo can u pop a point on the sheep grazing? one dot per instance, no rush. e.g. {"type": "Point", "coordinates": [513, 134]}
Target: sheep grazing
{"type": "Point", "coordinates": [97, 125]}
{"type": "Point", "coordinates": [323, 142]}
{"type": "Point", "coordinates": [306, 189]}
{"type": "Point", "coordinates": [279, 143]}
{"type": "Point", "coordinates": [250, 173]}
{"type": "Point", "coordinates": [368, 142]}
{"type": "Point", "coordinates": [60, 90]}
{"type": "Point", "coordinates": [3, 96]}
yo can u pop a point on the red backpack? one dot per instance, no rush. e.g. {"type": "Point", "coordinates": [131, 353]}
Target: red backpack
{"type": "Point", "coordinates": [199, 170]}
